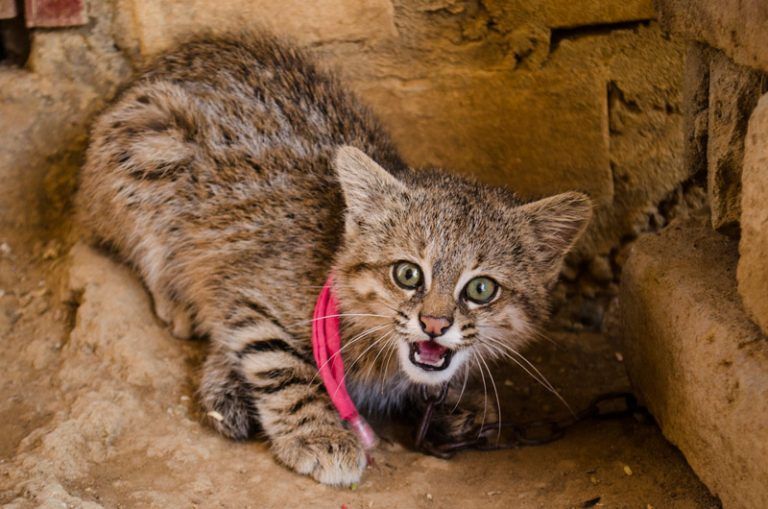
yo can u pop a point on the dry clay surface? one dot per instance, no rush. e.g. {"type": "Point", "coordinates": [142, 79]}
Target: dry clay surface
{"type": "Point", "coordinates": [97, 409]}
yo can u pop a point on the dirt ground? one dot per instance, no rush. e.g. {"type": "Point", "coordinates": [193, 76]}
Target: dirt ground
{"type": "Point", "coordinates": [97, 408]}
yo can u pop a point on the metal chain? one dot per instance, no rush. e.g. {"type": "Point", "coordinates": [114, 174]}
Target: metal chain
{"type": "Point", "coordinates": [526, 434]}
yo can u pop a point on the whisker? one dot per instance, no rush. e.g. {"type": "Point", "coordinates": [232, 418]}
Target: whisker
{"type": "Point", "coordinates": [530, 364]}
{"type": "Point", "coordinates": [339, 315]}
{"type": "Point", "coordinates": [369, 371]}
{"type": "Point", "coordinates": [552, 387]}
{"type": "Point", "coordinates": [384, 339]}
{"type": "Point", "coordinates": [485, 394]}
{"type": "Point", "coordinates": [393, 349]}
{"type": "Point", "coordinates": [511, 350]}
{"type": "Point", "coordinates": [498, 404]}
{"type": "Point", "coordinates": [349, 368]}
{"type": "Point", "coordinates": [463, 386]}
{"type": "Point", "coordinates": [336, 285]}
{"type": "Point", "coordinates": [543, 380]}
{"type": "Point", "coordinates": [501, 349]}
{"type": "Point", "coordinates": [347, 345]}
{"type": "Point", "coordinates": [541, 334]}
{"type": "Point", "coordinates": [391, 308]}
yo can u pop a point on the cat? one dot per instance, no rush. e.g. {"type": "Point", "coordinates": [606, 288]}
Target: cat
{"type": "Point", "coordinates": [235, 177]}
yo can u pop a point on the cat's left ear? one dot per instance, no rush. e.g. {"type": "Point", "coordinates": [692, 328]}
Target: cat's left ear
{"type": "Point", "coordinates": [367, 187]}
{"type": "Point", "coordinates": [557, 223]}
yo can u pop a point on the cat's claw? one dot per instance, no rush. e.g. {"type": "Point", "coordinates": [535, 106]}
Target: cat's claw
{"type": "Point", "coordinates": [332, 456]}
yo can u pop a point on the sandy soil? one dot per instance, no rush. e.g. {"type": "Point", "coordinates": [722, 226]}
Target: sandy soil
{"type": "Point", "coordinates": [97, 408]}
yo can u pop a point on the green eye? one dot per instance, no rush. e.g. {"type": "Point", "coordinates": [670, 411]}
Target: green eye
{"type": "Point", "coordinates": [407, 275]}
{"type": "Point", "coordinates": [481, 290]}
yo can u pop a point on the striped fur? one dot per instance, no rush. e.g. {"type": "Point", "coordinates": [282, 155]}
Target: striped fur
{"type": "Point", "coordinates": [218, 175]}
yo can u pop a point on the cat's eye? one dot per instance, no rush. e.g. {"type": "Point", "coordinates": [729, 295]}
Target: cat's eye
{"type": "Point", "coordinates": [481, 290]}
{"type": "Point", "coordinates": [407, 275]}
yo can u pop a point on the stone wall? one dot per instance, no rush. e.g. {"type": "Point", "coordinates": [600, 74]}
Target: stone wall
{"type": "Point", "coordinates": [694, 301]}
{"type": "Point", "coordinates": [696, 360]}
{"type": "Point", "coordinates": [726, 69]}
{"type": "Point", "coordinates": [542, 97]}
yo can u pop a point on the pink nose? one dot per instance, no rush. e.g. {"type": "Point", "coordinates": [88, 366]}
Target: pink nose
{"type": "Point", "coordinates": [434, 325]}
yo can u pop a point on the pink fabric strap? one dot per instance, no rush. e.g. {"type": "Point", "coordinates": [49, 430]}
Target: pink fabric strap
{"type": "Point", "coordinates": [326, 346]}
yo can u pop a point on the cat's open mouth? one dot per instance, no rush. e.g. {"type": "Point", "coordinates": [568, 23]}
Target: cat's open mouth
{"type": "Point", "coordinates": [430, 356]}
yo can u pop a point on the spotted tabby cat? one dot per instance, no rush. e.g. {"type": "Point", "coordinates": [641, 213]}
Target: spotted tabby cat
{"type": "Point", "coordinates": [235, 177]}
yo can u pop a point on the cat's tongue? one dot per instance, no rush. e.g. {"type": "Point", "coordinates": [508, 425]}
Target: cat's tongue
{"type": "Point", "coordinates": [430, 352]}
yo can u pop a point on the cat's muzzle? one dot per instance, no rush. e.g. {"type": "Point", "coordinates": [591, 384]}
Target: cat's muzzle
{"type": "Point", "coordinates": [430, 355]}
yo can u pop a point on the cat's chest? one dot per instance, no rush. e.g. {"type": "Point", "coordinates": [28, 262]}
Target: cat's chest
{"type": "Point", "coordinates": [374, 396]}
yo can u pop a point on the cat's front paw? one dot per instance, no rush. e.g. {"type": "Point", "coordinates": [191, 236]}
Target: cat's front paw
{"type": "Point", "coordinates": [331, 455]}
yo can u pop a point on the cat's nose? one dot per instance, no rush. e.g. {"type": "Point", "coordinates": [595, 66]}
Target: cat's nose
{"type": "Point", "coordinates": [434, 325]}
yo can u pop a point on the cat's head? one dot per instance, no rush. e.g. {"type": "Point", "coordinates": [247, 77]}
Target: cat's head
{"type": "Point", "coordinates": [436, 273]}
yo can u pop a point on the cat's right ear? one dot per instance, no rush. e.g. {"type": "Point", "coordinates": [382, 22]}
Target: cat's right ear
{"type": "Point", "coordinates": [367, 187]}
{"type": "Point", "coordinates": [557, 223]}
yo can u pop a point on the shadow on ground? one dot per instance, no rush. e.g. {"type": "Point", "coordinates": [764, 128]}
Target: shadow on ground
{"type": "Point", "coordinates": [98, 409]}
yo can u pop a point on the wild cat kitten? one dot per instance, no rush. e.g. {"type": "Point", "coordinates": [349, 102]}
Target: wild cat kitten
{"type": "Point", "coordinates": [235, 177]}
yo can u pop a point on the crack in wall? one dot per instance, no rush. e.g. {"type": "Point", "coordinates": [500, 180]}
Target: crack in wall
{"type": "Point", "coordinates": [72, 304]}
{"type": "Point", "coordinates": [557, 35]}
{"type": "Point", "coordinates": [14, 39]}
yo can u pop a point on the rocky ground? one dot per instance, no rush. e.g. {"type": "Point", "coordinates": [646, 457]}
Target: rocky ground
{"type": "Point", "coordinates": [98, 409]}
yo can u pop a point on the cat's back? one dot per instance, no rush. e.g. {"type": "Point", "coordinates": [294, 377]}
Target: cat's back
{"type": "Point", "coordinates": [216, 125]}
{"type": "Point", "coordinates": [215, 162]}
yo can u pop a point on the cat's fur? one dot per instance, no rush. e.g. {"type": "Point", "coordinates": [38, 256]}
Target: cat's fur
{"type": "Point", "coordinates": [218, 175]}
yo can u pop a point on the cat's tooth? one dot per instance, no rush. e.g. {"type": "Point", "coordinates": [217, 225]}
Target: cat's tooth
{"type": "Point", "coordinates": [437, 364]}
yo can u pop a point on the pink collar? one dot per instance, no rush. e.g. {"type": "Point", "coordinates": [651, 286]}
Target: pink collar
{"type": "Point", "coordinates": [326, 346]}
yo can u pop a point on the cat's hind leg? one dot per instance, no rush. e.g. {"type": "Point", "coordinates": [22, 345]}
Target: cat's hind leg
{"type": "Point", "coordinates": [149, 257]}
{"type": "Point", "coordinates": [258, 371]}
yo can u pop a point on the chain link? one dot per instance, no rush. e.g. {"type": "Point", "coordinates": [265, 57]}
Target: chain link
{"type": "Point", "coordinates": [538, 432]}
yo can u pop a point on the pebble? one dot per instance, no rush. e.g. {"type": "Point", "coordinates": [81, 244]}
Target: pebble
{"type": "Point", "coordinates": [215, 415]}
{"type": "Point", "coordinates": [429, 496]}
{"type": "Point", "coordinates": [619, 356]}
{"type": "Point", "coordinates": [627, 470]}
